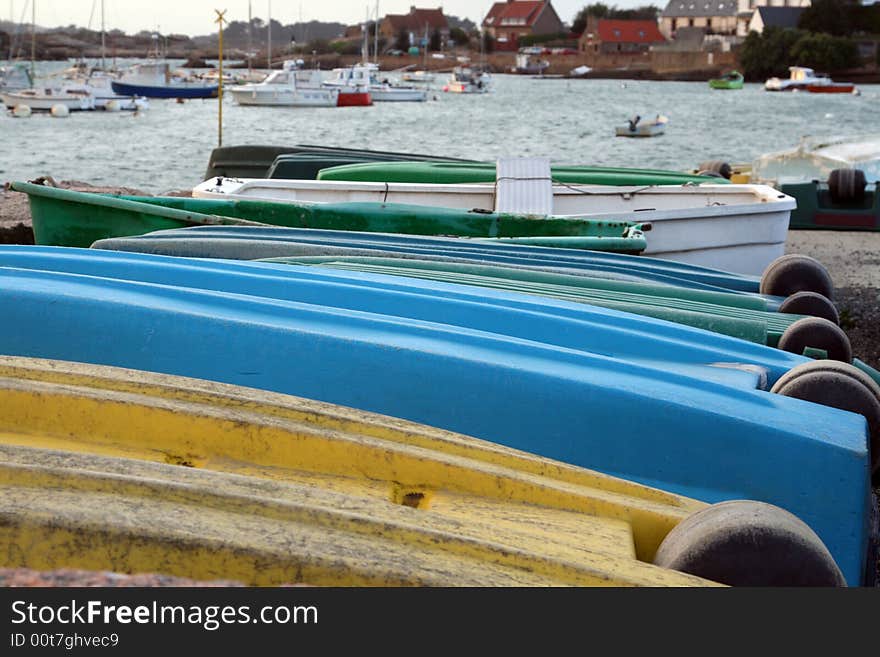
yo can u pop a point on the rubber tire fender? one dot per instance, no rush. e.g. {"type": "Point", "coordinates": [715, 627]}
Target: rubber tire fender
{"type": "Point", "coordinates": [810, 303]}
{"type": "Point", "coordinates": [818, 333]}
{"type": "Point", "coordinates": [796, 273]}
{"type": "Point", "coordinates": [747, 543]}
{"type": "Point", "coordinates": [839, 385]}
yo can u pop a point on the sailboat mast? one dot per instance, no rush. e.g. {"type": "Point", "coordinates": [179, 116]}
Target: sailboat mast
{"type": "Point", "coordinates": [269, 55]}
{"type": "Point", "coordinates": [33, 38]}
{"type": "Point", "coordinates": [376, 34]}
{"type": "Point", "coordinates": [365, 47]}
{"type": "Point", "coordinates": [250, 42]}
{"type": "Point", "coordinates": [103, 40]}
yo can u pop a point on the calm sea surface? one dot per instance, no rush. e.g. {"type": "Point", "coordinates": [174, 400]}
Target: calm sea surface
{"type": "Point", "coordinates": [570, 121]}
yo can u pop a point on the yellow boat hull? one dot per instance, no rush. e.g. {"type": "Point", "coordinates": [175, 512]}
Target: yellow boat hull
{"type": "Point", "coordinates": [111, 469]}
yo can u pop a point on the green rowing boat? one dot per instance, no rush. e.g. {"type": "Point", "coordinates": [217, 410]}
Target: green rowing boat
{"type": "Point", "coordinates": [63, 217]}
{"type": "Point", "coordinates": [484, 172]}
{"type": "Point", "coordinates": [731, 80]}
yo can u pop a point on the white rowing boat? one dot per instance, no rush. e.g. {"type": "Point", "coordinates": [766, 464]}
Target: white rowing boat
{"type": "Point", "coordinates": [740, 228]}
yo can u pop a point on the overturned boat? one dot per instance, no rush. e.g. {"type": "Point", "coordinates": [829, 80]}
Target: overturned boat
{"type": "Point", "coordinates": [682, 409]}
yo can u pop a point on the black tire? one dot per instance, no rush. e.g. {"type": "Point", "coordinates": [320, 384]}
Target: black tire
{"type": "Point", "coordinates": [847, 185]}
{"type": "Point", "coordinates": [718, 167]}
{"type": "Point", "coordinates": [838, 385]}
{"type": "Point", "coordinates": [709, 174]}
{"type": "Point", "coordinates": [817, 333]}
{"type": "Point", "coordinates": [745, 543]}
{"type": "Point", "coordinates": [810, 303]}
{"type": "Point", "coordinates": [796, 273]}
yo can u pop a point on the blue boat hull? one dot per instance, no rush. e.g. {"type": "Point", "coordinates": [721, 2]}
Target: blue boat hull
{"type": "Point", "coordinates": [125, 89]}
{"type": "Point", "coordinates": [207, 241]}
{"type": "Point", "coordinates": [615, 392]}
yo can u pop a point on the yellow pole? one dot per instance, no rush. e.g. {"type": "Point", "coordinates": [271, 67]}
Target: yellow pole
{"type": "Point", "coordinates": [220, 20]}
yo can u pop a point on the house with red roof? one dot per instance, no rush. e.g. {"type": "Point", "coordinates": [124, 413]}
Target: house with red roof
{"type": "Point", "coordinates": [417, 24]}
{"type": "Point", "coordinates": [613, 37]}
{"type": "Point", "coordinates": [507, 22]}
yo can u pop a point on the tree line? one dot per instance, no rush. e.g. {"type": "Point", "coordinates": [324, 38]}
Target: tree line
{"type": "Point", "coordinates": [823, 40]}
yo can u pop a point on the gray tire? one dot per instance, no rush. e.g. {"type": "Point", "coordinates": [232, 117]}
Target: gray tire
{"type": "Point", "coordinates": [847, 185]}
{"type": "Point", "coordinates": [838, 385]}
{"type": "Point", "coordinates": [793, 273]}
{"type": "Point", "coordinates": [718, 167]}
{"type": "Point", "coordinates": [817, 333]}
{"type": "Point", "coordinates": [745, 543]}
{"type": "Point", "coordinates": [810, 303]}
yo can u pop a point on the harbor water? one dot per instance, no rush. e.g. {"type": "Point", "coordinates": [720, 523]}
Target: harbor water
{"type": "Point", "coordinates": [570, 121]}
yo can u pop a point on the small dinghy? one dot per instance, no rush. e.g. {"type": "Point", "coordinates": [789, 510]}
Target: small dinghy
{"type": "Point", "coordinates": [637, 127]}
{"type": "Point", "coordinates": [64, 217]}
{"type": "Point", "coordinates": [730, 80]}
{"type": "Point", "coordinates": [739, 228]}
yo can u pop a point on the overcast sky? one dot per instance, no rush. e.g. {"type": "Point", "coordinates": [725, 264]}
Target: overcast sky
{"type": "Point", "coordinates": [196, 16]}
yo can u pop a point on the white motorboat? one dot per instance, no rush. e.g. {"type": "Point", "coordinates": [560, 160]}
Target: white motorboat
{"type": "Point", "coordinates": [353, 84]}
{"type": "Point", "coordinates": [417, 77]}
{"type": "Point", "coordinates": [98, 84]}
{"type": "Point", "coordinates": [289, 87]}
{"type": "Point", "coordinates": [358, 76]}
{"type": "Point", "coordinates": [466, 80]}
{"type": "Point", "coordinates": [385, 90]}
{"type": "Point", "coordinates": [45, 98]}
{"type": "Point", "coordinates": [526, 64]}
{"type": "Point", "coordinates": [816, 157]}
{"type": "Point", "coordinates": [800, 77]}
{"type": "Point", "coordinates": [636, 127]}
{"type": "Point", "coordinates": [740, 228]}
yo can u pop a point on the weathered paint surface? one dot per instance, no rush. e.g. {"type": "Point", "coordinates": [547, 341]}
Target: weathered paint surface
{"type": "Point", "coordinates": [267, 242]}
{"type": "Point", "coordinates": [63, 217]}
{"type": "Point", "coordinates": [110, 469]}
{"type": "Point", "coordinates": [615, 392]}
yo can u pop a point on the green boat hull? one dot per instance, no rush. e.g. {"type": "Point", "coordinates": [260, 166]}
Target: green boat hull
{"type": "Point", "coordinates": [63, 217]}
{"type": "Point", "coordinates": [735, 81]}
{"type": "Point", "coordinates": [817, 209]}
{"type": "Point", "coordinates": [484, 172]}
{"type": "Point", "coordinates": [739, 316]}
{"type": "Point", "coordinates": [300, 162]}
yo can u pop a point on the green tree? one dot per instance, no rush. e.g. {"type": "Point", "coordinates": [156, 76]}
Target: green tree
{"type": "Point", "coordinates": [828, 16]}
{"type": "Point", "coordinates": [595, 10]}
{"type": "Point", "coordinates": [825, 52]}
{"type": "Point", "coordinates": [342, 48]}
{"type": "Point", "coordinates": [488, 43]}
{"type": "Point", "coordinates": [436, 42]}
{"type": "Point", "coordinates": [643, 13]}
{"type": "Point", "coordinates": [768, 54]}
{"type": "Point", "coordinates": [321, 46]}
{"type": "Point", "coordinates": [401, 41]}
{"type": "Point", "coordinates": [771, 53]}
{"type": "Point", "coordinates": [458, 35]}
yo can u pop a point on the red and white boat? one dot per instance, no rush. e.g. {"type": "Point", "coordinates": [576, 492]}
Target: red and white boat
{"type": "Point", "coordinates": [353, 83]}
{"type": "Point", "coordinates": [832, 88]}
